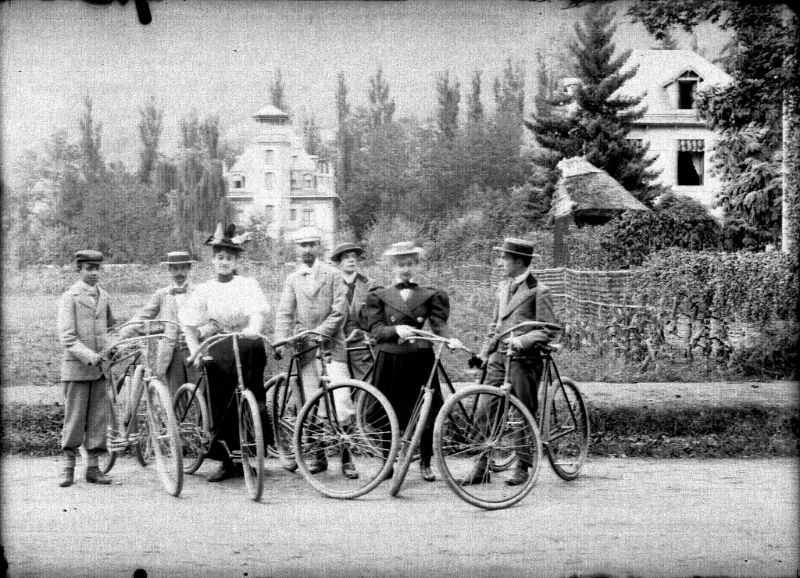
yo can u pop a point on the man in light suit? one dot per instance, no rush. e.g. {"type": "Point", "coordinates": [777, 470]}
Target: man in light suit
{"type": "Point", "coordinates": [520, 297]}
{"type": "Point", "coordinates": [164, 304]}
{"type": "Point", "coordinates": [315, 297]}
{"type": "Point", "coordinates": [84, 317]}
{"type": "Point", "coordinates": [345, 256]}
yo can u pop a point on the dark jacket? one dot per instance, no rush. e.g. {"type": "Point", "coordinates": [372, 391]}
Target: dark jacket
{"type": "Point", "coordinates": [386, 309]}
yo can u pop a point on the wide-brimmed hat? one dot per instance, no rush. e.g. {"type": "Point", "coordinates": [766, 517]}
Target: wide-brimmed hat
{"type": "Point", "coordinates": [88, 256]}
{"type": "Point", "coordinates": [306, 235]}
{"type": "Point", "coordinates": [403, 248]}
{"type": "Point", "coordinates": [178, 258]}
{"type": "Point", "coordinates": [343, 248]}
{"type": "Point", "coordinates": [227, 239]}
{"type": "Point", "coordinates": [521, 247]}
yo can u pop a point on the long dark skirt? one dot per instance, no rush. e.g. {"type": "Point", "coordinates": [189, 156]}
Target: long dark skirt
{"type": "Point", "coordinates": [222, 381]}
{"type": "Point", "coordinates": [400, 376]}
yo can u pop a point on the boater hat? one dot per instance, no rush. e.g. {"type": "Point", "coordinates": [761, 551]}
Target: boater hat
{"type": "Point", "coordinates": [340, 250]}
{"type": "Point", "coordinates": [178, 258]}
{"type": "Point", "coordinates": [88, 256]}
{"type": "Point", "coordinates": [402, 249]}
{"type": "Point", "coordinates": [520, 247]}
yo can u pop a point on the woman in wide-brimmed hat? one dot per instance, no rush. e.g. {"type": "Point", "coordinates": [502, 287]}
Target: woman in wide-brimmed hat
{"type": "Point", "coordinates": [227, 303]}
{"type": "Point", "coordinates": [402, 367]}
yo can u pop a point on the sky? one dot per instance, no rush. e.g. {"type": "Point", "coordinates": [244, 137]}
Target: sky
{"type": "Point", "coordinates": [218, 57]}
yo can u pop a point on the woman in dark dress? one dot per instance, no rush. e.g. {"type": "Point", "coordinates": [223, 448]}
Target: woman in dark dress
{"type": "Point", "coordinates": [402, 367]}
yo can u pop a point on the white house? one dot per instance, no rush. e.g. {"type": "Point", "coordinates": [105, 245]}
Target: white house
{"type": "Point", "coordinates": [276, 181]}
{"type": "Point", "coordinates": [668, 81]}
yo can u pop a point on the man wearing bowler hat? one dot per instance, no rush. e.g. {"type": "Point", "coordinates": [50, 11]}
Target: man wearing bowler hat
{"type": "Point", "coordinates": [84, 317]}
{"type": "Point", "coordinates": [520, 297]}
{"type": "Point", "coordinates": [164, 304]}
{"type": "Point", "coordinates": [345, 256]}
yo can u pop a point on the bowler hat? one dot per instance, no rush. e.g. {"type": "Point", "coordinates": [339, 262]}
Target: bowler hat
{"type": "Point", "coordinates": [88, 256]}
{"type": "Point", "coordinates": [225, 239]}
{"type": "Point", "coordinates": [178, 258]}
{"type": "Point", "coordinates": [306, 235]}
{"type": "Point", "coordinates": [402, 249]}
{"type": "Point", "coordinates": [340, 250]}
{"type": "Point", "coordinates": [520, 247]}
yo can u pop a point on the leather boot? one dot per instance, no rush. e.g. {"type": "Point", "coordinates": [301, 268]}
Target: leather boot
{"type": "Point", "coordinates": [226, 470]}
{"type": "Point", "coordinates": [479, 475]}
{"type": "Point", "coordinates": [425, 470]}
{"type": "Point", "coordinates": [95, 476]}
{"type": "Point", "coordinates": [67, 477]}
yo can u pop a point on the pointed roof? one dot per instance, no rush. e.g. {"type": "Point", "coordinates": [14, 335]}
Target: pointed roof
{"type": "Point", "coordinates": [588, 193]}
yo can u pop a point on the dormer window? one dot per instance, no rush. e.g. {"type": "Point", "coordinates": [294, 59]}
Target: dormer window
{"type": "Point", "coordinates": [238, 182]}
{"type": "Point", "coordinates": [687, 88]}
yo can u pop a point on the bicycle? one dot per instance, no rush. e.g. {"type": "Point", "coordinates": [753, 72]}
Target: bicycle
{"type": "Point", "coordinates": [360, 341]}
{"type": "Point", "coordinates": [500, 425]}
{"type": "Point", "coordinates": [310, 432]}
{"type": "Point", "coordinates": [412, 435]}
{"type": "Point", "coordinates": [199, 431]}
{"type": "Point", "coordinates": [150, 427]}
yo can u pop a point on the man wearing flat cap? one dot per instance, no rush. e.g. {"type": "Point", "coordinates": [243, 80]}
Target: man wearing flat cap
{"type": "Point", "coordinates": [84, 317]}
{"type": "Point", "coordinates": [520, 297]}
{"type": "Point", "coordinates": [164, 304]}
{"type": "Point", "coordinates": [359, 358]}
{"type": "Point", "coordinates": [315, 297]}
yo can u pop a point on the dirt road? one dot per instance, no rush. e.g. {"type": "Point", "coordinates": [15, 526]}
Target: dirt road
{"type": "Point", "coordinates": [623, 517]}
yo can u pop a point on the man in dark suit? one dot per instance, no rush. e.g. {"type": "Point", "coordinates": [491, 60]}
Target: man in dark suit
{"type": "Point", "coordinates": [520, 297]}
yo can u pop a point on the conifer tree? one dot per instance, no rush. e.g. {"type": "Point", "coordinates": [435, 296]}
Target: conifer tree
{"type": "Point", "coordinates": [601, 119]}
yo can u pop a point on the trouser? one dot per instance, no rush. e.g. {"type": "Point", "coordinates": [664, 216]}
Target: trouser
{"type": "Point", "coordinates": [85, 420]}
{"type": "Point", "coordinates": [359, 361]}
{"type": "Point", "coordinates": [177, 372]}
{"type": "Point", "coordinates": [310, 372]}
{"type": "Point", "coordinates": [524, 377]}
{"type": "Point", "coordinates": [222, 383]}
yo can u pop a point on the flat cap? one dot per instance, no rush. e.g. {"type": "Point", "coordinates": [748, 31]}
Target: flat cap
{"type": "Point", "coordinates": [88, 256]}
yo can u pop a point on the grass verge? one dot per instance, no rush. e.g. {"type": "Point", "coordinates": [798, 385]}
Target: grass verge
{"type": "Point", "coordinates": [701, 431]}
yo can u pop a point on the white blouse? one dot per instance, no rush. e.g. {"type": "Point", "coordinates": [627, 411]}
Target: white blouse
{"type": "Point", "coordinates": [229, 304]}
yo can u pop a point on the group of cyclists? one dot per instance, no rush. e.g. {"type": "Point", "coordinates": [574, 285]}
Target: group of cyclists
{"type": "Point", "coordinates": [332, 300]}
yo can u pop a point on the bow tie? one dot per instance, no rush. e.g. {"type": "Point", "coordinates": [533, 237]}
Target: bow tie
{"type": "Point", "coordinates": [406, 285]}
{"type": "Point", "coordinates": [177, 290]}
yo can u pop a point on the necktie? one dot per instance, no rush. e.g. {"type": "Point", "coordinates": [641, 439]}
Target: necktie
{"type": "Point", "coordinates": [351, 291]}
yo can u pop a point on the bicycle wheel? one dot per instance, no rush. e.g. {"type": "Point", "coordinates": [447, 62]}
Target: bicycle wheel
{"type": "Point", "coordinates": [191, 413]}
{"type": "Point", "coordinates": [164, 437]}
{"type": "Point", "coordinates": [368, 442]}
{"type": "Point", "coordinates": [251, 443]}
{"type": "Point", "coordinates": [567, 434]}
{"type": "Point", "coordinates": [283, 414]}
{"type": "Point", "coordinates": [472, 427]}
{"type": "Point", "coordinates": [410, 443]}
{"type": "Point", "coordinates": [141, 429]}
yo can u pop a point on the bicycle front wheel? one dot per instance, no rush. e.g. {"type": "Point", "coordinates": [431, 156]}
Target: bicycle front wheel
{"type": "Point", "coordinates": [141, 430]}
{"type": "Point", "coordinates": [283, 415]}
{"type": "Point", "coordinates": [164, 437]}
{"type": "Point", "coordinates": [474, 427]}
{"type": "Point", "coordinates": [362, 447]}
{"type": "Point", "coordinates": [567, 434]}
{"type": "Point", "coordinates": [108, 458]}
{"type": "Point", "coordinates": [251, 443]}
{"type": "Point", "coordinates": [191, 413]}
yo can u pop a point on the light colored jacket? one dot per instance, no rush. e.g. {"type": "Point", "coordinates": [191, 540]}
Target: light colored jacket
{"type": "Point", "coordinates": [314, 299]}
{"type": "Point", "coordinates": [82, 328]}
{"type": "Point", "coordinates": [163, 305]}
{"type": "Point", "coordinates": [532, 301]}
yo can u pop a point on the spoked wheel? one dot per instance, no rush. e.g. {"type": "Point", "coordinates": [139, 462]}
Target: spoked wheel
{"type": "Point", "coordinates": [567, 437]}
{"type": "Point", "coordinates": [141, 430]}
{"type": "Point", "coordinates": [409, 444]}
{"type": "Point", "coordinates": [164, 437]}
{"type": "Point", "coordinates": [251, 443]}
{"type": "Point", "coordinates": [343, 455]}
{"type": "Point", "coordinates": [124, 377]}
{"type": "Point", "coordinates": [283, 415]}
{"type": "Point", "coordinates": [191, 413]}
{"type": "Point", "coordinates": [475, 425]}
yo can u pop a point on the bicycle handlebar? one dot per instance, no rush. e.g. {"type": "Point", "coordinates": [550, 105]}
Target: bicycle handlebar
{"type": "Point", "coordinates": [301, 335]}
{"type": "Point", "coordinates": [216, 338]}
{"type": "Point", "coordinates": [433, 338]}
{"type": "Point", "coordinates": [529, 326]}
{"type": "Point", "coordinates": [106, 353]}
{"type": "Point", "coordinates": [147, 323]}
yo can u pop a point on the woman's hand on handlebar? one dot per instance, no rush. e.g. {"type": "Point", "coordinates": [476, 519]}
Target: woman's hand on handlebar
{"type": "Point", "coordinates": [455, 343]}
{"type": "Point", "coordinates": [404, 332]}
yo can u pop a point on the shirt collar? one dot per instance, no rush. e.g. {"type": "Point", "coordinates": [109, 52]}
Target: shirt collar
{"type": "Point", "coordinates": [349, 278]}
{"type": "Point", "coordinates": [88, 288]}
{"type": "Point", "coordinates": [413, 281]}
{"type": "Point", "coordinates": [305, 269]}
{"type": "Point", "coordinates": [519, 278]}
